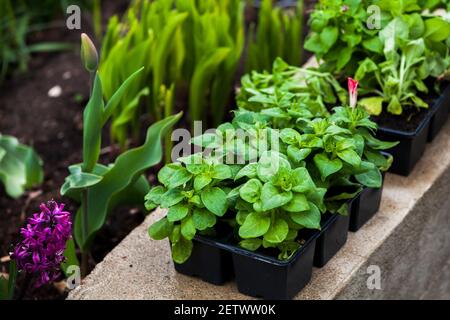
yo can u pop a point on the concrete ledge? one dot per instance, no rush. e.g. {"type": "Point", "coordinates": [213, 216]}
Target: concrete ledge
{"type": "Point", "coordinates": [408, 239]}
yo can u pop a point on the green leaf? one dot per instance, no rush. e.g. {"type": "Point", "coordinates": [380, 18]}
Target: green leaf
{"type": "Point", "coordinates": [201, 181]}
{"type": "Point", "coordinates": [203, 219]}
{"type": "Point", "coordinates": [248, 171]}
{"type": "Point", "coordinates": [92, 126]}
{"type": "Point", "coordinates": [123, 175]}
{"type": "Point", "coordinates": [188, 228]}
{"type": "Point", "coordinates": [171, 198]}
{"type": "Point", "coordinates": [251, 191]}
{"type": "Point", "coordinates": [255, 225]}
{"type": "Point", "coordinates": [118, 94]}
{"type": "Point", "coordinates": [302, 180]}
{"type": "Point", "coordinates": [373, 105]}
{"type": "Point", "coordinates": [7, 286]}
{"type": "Point", "coordinates": [161, 229]}
{"type": "Point", "coordinates": [272, 198]}
{"type": "Point", "coordinates": [251, 244]}
{"type": "Point", "coordinates": [153, 198]}
{"type": "Point", "coordinates": [437, 29]}
{"type": "Point", "coordinates": [297, 154]}
{"type": "Point", "coordinates": [326, 166]}
{"type": "Point", "coordinates": [71, 256]}
{"type": "Point", "coordinates": [221, 172]}
{"type": "Point", "coordinates": [297, 204]}
{"type": "Point", "coordinates": [277, 232]}
{"type": "Point", "coordinates": [173, 175]}
{"type": "Point", "coordinates": [20, 166]}
{"type": "Point", "coordinates": [79, 179]}
{"type": "Point", "coordinates": [215, 200]}
{"type": "Point", "coordinates": [177, 212]}
{"type": "Point", "coordinates": [350, 156]}
{"type": "Point", "coordinates": [328, 36]}
{"type": "Point", "coordinates": [371, 178]}
{"type": "Point", "coordinates": [181, 250]}
{"type": "Point", "coordinates": [373, 44]}
{"type": "Point", "coordinates": [394, 106]}
{"type": "Point", "coordinates": [309, 219]}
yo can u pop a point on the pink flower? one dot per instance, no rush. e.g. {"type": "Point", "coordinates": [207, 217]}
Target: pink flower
{"type": "Point", "coordinates": [352, 91]}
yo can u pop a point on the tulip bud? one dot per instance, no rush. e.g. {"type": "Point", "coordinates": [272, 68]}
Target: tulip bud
{"type": "Point", "coordinates": [352, 91]}
{"type": "Point", "coordinates": [89, 55]}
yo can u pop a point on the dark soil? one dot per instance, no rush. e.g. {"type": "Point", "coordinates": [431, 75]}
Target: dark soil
{"type": "Point", "coordinates": [408, 121]}
{"type": "Point", "coordinates": [53, 126]}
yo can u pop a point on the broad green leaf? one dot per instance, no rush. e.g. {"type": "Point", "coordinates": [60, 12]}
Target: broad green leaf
{"type": "Point", "coordinates": [297, 204]}
{"type": "Point", "coordinates": [373, 105]}
{"type": "Point", "coordinates": [350, 156]}
{"type": "Point", "coordinates": [153, 198]}
{"type": "Point", "coordinates": [248, 171]}
{"type": "Point", "coordinates": [277, 232]}
{"type": "Point", "coordinates": [203, 219]}
{"type": "Point", "coordinates": [221, 172]}
{"type": "Point", "coordinates": [181, 250]}
{"type": "Point", "coordinates": [215, 200]}
{"type": "Point", "coordinates": [302, 180]}
{"type": "Point", "coordinates": [188, 228]}
{"type": "Point", "coordinates": [296, 154]}
{"type": "Point", "coordinates": [437, 29]}
{"type": "Point", "coordinates": [251, 244]}
{"type": "Point", "coordinates": [371, 179]}
{"type": "Point", "coordinates": [255, 225]}
{"type": "Point", "coordinates": [201, 181]}
{"type": "Point", "coordinates": [309, 219]}
{"type": "Point", "coordinates": [251, 191]}
{"type": "Point", "coordinates": [177, 212]}
{"type": "Point", "coordinates": [173, 175]}
{"type": "Point", "coordinates": [171, 198]}
{"type": "Point", "coordinates": [272, 198]}
{"type": "Point", "coordinates": [161, 229]}
{"type": "Point", "coordinates": [327, 166]}
{"type": "Point", "coordinates": [20, 166]}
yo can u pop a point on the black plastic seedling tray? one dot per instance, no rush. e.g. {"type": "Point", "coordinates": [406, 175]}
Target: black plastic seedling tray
{"type": "Point", "coordinates": [440, 110]}
{"type": "Point", "coordinates": [266, 277]}
{"type": "Point", "coordinates": [208, 262]}
{"type": "Point", "coordinates": [410, 148]}
{"type": "Point", "coordinates": [365, 206]}
{"type": "Point", "coordinates": [412, 143]}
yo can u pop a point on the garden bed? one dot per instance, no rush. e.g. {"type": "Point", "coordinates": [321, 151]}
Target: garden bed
{"type": "Point", "coordinates": [53, 126]}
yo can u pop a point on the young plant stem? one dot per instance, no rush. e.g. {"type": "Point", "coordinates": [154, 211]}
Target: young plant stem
{"type": "Point", "coordinates": [24, 286]}
{"type": "Point", "coordinates": [84, 204]}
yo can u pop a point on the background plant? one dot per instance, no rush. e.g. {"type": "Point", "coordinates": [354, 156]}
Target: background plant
{"type": "Point", "coordinates": [184, 45]}
{"type": "Point", "coordinates": [20, 166]}
{"type": "Point", "coordinates": [391, 64]}
{"type": "Point", "coordinates": [18, 21]}
{"type": "Point", "coordinates": [277, 33]}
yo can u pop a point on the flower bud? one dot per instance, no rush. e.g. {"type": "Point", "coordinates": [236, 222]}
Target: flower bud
{"type": "Point", "coordinates": [89, 55]}
{"type": "Point", "coordinates": [352, 91]}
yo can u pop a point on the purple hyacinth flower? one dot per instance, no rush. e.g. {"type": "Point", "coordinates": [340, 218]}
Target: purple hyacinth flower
{"type": "Point", "coordinates": [41, 250]}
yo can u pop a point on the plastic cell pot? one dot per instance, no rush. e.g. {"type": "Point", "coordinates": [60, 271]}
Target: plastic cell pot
{"type": "Point", "coordinates": [410, 148]}
{"type": "Point", "coordinates": [208, 262]}
{"type": "Point", "coordinates": [440, 109]}
{"type": "Point", "coordinates": [332, 237]}
{"type": "Point", "coordinates": [266, 277]}
{"type": "Point", "coordinates": [365, 206]}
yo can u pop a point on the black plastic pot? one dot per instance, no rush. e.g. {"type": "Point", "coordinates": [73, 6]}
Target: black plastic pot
{"type": "Point", "coordinates": [208, 261]}
{"type": "Point", "coordinates": [410, 148]}
{"type": "Point", "coordinates": [365, 206]}
{"type": "Point", "coordinates": [266, 277]}
{"type": "Point", "coordinates": [440, 110]}
{"type": "Point", "coordinates": [332, 238]}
